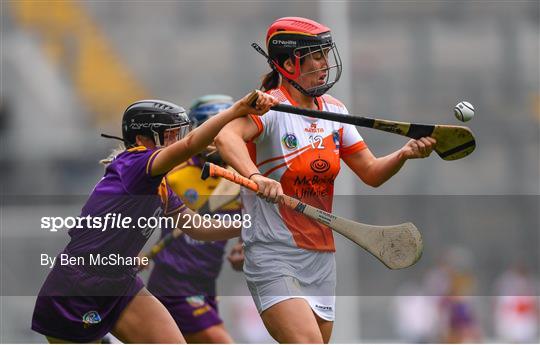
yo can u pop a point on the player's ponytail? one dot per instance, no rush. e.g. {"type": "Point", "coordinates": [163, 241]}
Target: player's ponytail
{"type": "Point", "coordinates": [270, 81]}
{"type": "Point", "coordinates": [118, 150]}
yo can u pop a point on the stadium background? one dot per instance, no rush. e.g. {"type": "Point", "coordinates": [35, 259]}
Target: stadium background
{"type": "Point", "coordinates": [70, 68]}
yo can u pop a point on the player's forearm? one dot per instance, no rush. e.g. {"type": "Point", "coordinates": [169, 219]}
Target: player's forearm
{"type": "Point", "coordinates": [233, 150]}
{"type": "Point", "coordinates": [383, 168]}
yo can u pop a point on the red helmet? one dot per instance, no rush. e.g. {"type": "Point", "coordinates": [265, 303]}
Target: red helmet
{"type": "Point", "coordinates": [296, 38]}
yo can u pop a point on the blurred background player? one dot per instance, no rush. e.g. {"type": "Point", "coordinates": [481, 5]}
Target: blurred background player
{"type": "Point", "coordinates": [459, 321]}
{"type": "Point", "coordinates": [83, 302]}
{"type": "Point", "coordinates": [415, 314]}
{"type": "Point", "coordinates": [517, 307]}
{"type": "Point", "coordinates": [185, 272]}
{"type": "Point", "coordinates": [450, 285]}
{"type": "Point", "coordinates": [289, 259]}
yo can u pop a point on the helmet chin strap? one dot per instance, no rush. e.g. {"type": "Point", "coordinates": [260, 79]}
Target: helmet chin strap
{"type": "Point", "coordinates": [126, 144]}
{"type": "Point", "coordinates": [111, 137]}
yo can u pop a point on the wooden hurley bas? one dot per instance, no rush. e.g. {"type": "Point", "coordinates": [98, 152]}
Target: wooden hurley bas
{"type": "Point", "coordinates": [396, 246]}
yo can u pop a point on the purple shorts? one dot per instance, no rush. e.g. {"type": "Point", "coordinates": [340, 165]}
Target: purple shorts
{"type": "Point", "coordinates": [190, 301]}
{"type": "Point", "coordinates": [193, 313]}
{"type": "Point", "coordinates": [81, 306]}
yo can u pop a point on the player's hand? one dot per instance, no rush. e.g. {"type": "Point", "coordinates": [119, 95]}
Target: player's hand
{"type": "Point", "coordinates": [262, 104]}
{"type": "Point", "coordinates": [268, 189]}
{"type": "Point", "coordinates": [236, 257]}
{"type": "Point", "coordinates": [143, 266]}
{"type": "Point", "coordinates": [418, 148]}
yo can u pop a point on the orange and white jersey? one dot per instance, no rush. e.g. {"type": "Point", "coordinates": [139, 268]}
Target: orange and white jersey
{"type": "Point", "coordinates": [303, 154]}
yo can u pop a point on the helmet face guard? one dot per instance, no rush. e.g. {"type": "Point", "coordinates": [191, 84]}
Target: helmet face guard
{"type": "Point", "coordinates": [170, 133]}
{"type": "Point", "coordinates": [332, 69]}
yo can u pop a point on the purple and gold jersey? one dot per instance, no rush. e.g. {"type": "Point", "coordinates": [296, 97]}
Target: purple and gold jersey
{"type": "Point", "coordinates": [126, 190]}
{"type": "Point", "coordinates": [82, 303]}
{"type": "Point", "coordinates": [186, 256]}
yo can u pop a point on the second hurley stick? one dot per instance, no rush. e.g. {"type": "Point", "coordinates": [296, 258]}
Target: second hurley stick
{"type": "Point", "coordinates": [396, 246]}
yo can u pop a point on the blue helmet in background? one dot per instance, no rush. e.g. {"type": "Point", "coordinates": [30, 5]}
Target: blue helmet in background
{"type": "Point", "coordinates": [207, 106]}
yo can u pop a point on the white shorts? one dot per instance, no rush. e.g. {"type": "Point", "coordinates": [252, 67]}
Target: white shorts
{"type": "Point", "coordinates": [266, 295]}
{"type": "Point", "coordinates": [277, 274]}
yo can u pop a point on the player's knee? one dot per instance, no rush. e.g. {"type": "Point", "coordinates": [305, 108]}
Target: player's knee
{"type": "Point", "coordinates": [220, 338]}
{"type": "Point", "coordinates": [170, 337]}
{"type": "Point", "coordinates": [212, 335]}
{"type": "Point", "coordinates": [300, 336]}
{"type": "Point", "coordinates": [310, 339]}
